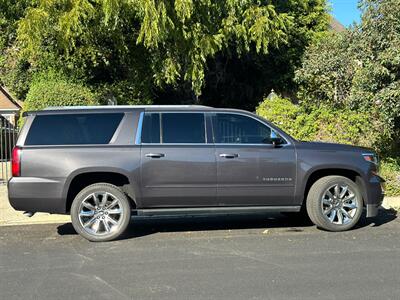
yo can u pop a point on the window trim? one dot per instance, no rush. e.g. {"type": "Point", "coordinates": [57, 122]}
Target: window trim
{"type": "Point", "coordinates": [287, 142]}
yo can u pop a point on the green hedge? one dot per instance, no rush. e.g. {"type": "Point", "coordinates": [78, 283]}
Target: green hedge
{"type": "Point", "coordinates": [320, 123]}
{"type": "Point", "coordinates": [390, 171]}
{"type": "Point", "coordinates": [55, 89]}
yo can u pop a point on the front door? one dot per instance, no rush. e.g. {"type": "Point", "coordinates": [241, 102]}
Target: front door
{"type": "Point", "coordinates": [250, 170]}
{"type": "Point", "coordinates": [178, 166]}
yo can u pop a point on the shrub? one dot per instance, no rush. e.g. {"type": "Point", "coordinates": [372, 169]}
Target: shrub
{"type": "Point", "coordinates": [55, 89]}
{"type": "Point", "coordinates": [320, 123]}
{"type": "Point", "coordinates": [390, 171]}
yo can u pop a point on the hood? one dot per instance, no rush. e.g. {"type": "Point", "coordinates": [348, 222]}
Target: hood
{"type": "Point", "coordinates": [331, 146]}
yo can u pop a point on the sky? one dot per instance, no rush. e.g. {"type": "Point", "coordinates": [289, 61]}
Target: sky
{"type": "Point", "coordinates": [345, 11]}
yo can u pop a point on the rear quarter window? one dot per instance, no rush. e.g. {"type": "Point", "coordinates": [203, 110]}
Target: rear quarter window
{"type": "Point", "coordinates": [73, 129]}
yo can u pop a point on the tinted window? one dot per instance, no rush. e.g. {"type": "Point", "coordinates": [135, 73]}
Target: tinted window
{"type": "Point", "coordinates": [73, 129]}
{"type": "Point", "coordinates": [239, 129]}
{"type": "Point", "coordinates": [183, 128]}
{"type": "Point", "coordinates": [151, 128]}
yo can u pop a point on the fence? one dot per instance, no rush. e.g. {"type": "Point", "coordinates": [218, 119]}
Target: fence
{"type": "Point", "coordinates": [8, 138]}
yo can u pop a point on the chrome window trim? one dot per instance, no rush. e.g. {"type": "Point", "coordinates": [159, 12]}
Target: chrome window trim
{"type": "Point", "coordinates": [210, 113]}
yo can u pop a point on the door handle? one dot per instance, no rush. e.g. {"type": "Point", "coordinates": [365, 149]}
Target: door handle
{"type": "Point", "coordinates": [229, 155]}
{"type": "Point", "coordinates": [155, 155]}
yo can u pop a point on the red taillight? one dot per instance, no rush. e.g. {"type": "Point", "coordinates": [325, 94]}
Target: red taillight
{"type": "Point", "coordinates": [16, 162]}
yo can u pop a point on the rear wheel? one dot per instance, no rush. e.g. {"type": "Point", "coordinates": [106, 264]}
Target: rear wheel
{"type": "Point", "coordinates": [334, 203]}
{"type": "Point", "coordinates": [100, 212]}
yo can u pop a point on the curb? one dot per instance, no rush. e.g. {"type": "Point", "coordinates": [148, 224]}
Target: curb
{"type": "Point", "coordinates": [391, 203]}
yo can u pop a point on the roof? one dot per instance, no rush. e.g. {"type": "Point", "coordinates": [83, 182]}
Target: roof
{"type": "Point", "coordinates": [336, 26]}
{"type": "Point", "coordinates": [116, 108]}
{"type": "Point", "coordinates": [7, 102]}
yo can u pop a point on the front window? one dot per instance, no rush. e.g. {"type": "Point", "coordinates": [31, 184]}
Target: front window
{"type": "Point", "coordinates": [240, 129]}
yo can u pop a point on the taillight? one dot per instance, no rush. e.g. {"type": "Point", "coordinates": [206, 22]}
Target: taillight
{"type": "Point", "coordinates": [16, 162]}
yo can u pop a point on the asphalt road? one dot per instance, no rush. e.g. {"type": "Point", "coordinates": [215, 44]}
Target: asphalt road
{"type": "Point", "coordinates": [204, 258]}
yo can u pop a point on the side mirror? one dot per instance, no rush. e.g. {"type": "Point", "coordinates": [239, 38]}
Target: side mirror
{"type": "Point", "coordinates": [276, 140]}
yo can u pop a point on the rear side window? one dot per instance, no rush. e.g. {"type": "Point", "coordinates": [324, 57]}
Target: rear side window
{"type": "Point", "coordinates": [73, 129]}
{"type": "Point", "coordinates": [174, 128]}
{"type": "Point", "coordinates": [183, 128]}
{"type": "Point", "coordinates": [151, 128]}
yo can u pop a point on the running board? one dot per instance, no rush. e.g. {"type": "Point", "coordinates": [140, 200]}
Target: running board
{"type": "Point", "coordinates": [214, 210]}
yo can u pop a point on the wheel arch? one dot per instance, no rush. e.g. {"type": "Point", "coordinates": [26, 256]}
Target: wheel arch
{"type": "Point", "coordinates": [314, 175]}
{"type": "Point", "coordinates": [85, 177]}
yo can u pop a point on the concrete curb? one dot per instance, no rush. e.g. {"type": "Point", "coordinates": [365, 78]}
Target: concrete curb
{"type": "Point", "coordinates": [391, 202]}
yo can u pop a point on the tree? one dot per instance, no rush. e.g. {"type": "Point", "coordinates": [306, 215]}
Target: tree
{"type": "Point", "coordinates": [360, 68]}
{"type": "Point", "coordinates": [14, 71]}
{"type": "Point", "coordinates": [169, 48]}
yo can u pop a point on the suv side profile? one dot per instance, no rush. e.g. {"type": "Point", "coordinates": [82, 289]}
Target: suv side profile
{"type": "Point", "coordinates": [102, 165]}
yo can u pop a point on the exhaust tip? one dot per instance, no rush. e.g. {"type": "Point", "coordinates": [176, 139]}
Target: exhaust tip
{"type": "Point", "coordinates": [28, 214]}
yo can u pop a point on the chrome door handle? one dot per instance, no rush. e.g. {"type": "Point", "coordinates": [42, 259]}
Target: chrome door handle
{"type": "Point", "coordinates": [155, 155]}
{"type": "Point", "coordinates": [229, 155]}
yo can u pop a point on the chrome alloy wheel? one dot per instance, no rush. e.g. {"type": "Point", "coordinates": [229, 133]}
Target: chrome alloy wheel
{"type": "Point", "coordinates": [339, 204]}
{"type": "Point", "coordinates": [100, 213]}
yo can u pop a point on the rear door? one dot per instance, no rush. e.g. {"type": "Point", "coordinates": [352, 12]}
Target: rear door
{"type": "Point", "coordinates": [178, 167]}
{"type": "Point", "coordinates": [250, 170]}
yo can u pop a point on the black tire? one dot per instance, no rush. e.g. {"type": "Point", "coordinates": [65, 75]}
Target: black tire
{"type": "Point", "coordinates": [316, 206]}
{"type": "Point", "coordinates": [105, 215]}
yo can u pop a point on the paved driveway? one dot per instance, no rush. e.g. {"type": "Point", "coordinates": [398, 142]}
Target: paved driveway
{"type": "Point", "coordinates": [204, 258]}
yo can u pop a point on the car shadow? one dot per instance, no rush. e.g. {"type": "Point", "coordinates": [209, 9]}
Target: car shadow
{"type": "Point", "coordinates": [141, 226]}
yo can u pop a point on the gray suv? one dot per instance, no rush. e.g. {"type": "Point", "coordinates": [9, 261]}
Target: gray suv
{"type": "Point", "coordinates": [102, 165]}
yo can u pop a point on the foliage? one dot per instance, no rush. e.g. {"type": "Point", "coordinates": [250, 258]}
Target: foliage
{"type": "Point", "coordinates": [320, 123]}
{"type": "Point", "coordinates": [359, 69]}
{"type": "Point", "coordinates": [55, 89]}
{"type": "Point", "coordinates": [390, 170]}
{"type": "Point", "coordinates": [168, 49]}
{"type": "Point", "coordinates": [14, 71]}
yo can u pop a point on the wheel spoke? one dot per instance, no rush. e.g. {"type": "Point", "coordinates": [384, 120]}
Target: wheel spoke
{"type": "Point", "coordinates": [346, 214]}
{"type": "Point", "coordinates": [96, 226]}
{"type": "Point", "coordinates": [106, 225]}
{"type": "Point", "coordinates": [88, 205]}
{"type": "Point", "coordinates": [104, 197]}
{"type": "Point", "coordinates": [340, 217]}
{"type": "Point", "coordinates": [327, 201]}
{"type": "Point", "coordinates": [90, 222]}
{"type": "Point", "coordinates": [350, 205]}
{"type": "Point", "coordinates": [333, 215]}
{"type": "Point", "coordinates": [88, 213]}
{"type": "Point", "coordinates": [327, 211]}
{"type": "Point", "coordinates": [350, 197]}
{"type": "Point", "coordinates": [111, 220]}
{"type": "Point", "coordinates": [115, 211]}
{"type": "Point", "coordinates": [96, 199]}
{"type": "Point", "coordinates": [112, 204]}
{"type": "Point", "coordinates": [337, 190]}
{"type": "Point", "coordinates": [343, 192]}
{"type": "Point", "coordinates": [329, 194]}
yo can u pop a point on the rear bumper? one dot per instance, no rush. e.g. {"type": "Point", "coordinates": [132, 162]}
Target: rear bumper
{"type": "Point", "coordinates": [36, 194]}
{"type": "Point", "coordinates": [374, 195]}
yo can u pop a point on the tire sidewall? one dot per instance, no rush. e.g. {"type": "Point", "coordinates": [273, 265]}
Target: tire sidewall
{"type": "Point", "coordinates": [103, 187]}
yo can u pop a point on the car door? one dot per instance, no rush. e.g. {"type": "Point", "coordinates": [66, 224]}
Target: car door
{"type": "Point", "coordinates": [250, 169]}
{"type": "Point", "coordinates": [178, 167]}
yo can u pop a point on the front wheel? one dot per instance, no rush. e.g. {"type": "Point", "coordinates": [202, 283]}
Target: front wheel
{"type": "Point", "coordinates": [100, 212]}
{"type": "Point", "coordinates": [334, 203]}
